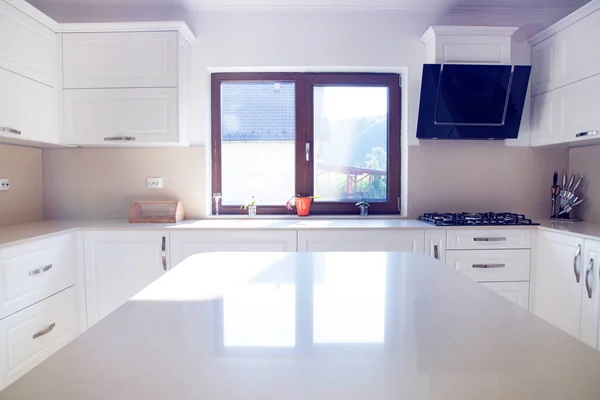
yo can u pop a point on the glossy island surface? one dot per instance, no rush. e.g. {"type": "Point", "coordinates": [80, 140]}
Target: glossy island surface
{"type": "Point", "coordinates": [359, 326]}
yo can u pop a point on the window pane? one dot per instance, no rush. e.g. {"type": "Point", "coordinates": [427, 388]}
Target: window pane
{"type": "Point", "coordinates": [258, 129]}
{"type": "Point", "coordinates": [351, 141]}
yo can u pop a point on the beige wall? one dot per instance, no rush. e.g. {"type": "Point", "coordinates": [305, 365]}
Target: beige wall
{"type": "Point", "coordinates": [24, 201]}
{"type": "Point", "coordinates": [443, 176]}
{"type": "Point", "coordinates": [585, 161]}
{"type": "Point", "coordinates": [481, 176]}
{"type": "Point", "coordinates": [102, 183]}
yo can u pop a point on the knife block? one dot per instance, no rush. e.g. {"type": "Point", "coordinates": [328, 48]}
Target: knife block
{"type": "Point", "coordinates": [165, 212]}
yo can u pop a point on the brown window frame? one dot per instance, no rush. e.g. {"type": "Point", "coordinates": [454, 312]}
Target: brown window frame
{"type": "Point", "coordinates": [304, 85]}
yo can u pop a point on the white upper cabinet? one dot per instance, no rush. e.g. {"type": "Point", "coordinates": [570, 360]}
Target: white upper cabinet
{"type": "Point", "coordinates": [28, 109]}
{"type": "Point", "coordinates": [27, 47]}
{"type": "Point", "coordinates": [108, 116]}
{"type": "Point", "coordinates": [545, 119]}
{"type": "Point", "coordinates": [581, 58]}
{"type": "Point", "coordinates": [126, 84]}
{"type": "Point", "coordinates": [120, 60]}
{"type": "Point", "coordinates": [580, 119]}
{"type": "Point", "coordinates": [547, 68]}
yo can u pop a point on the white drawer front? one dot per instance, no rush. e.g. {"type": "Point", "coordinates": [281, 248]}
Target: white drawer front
{"type": "Point", "coordinates": [492, 265]}
{"type": "Point", "coordinates": [461, 239]}
{"type": "Point", "coordinates": [33, 271]}
{"type": "Point", "coordinates": [27, 47]}
{"type": "Point", "coordinates": [119, 60]}
{"type": "Point", "coordinates": [515, 292]}
{"type": "Point", "coordinates": [34, 334]}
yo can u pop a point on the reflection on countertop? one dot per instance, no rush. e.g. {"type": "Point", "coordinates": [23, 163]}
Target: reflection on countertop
{"type": "Point", "coordinates": [317, 326]}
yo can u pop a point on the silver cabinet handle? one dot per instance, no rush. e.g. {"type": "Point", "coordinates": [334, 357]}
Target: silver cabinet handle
{"type": "Point", "coordinates": [489, 265]}
{"type": "Point", "coordinates": [576, 268]}
{"type": "Point", "coordinates": [588, 273]}
{"type": "Point", "coordinates": [588, 133]}
{"type": "Point", "coordinates": [163, 253]}
{"type": "Point", "coordinates": [40, 270]}
{"type": "Point", "coordinates": [307, 151]}
{"type": "Point", "coordinates": [44, 331]}
{"type": "Point", "coordinates": [119, 138]}
{"type": "Point", "coordinates": [10, 130]}
{"type": "Point", "coordinates": [436, 252]}
{"type": "Point", "coordinates": [489, 239]}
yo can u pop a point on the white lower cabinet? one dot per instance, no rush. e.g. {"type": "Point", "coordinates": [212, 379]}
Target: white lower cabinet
{"type": "Point", "coordinates": [435, 244]}
{"type": "Point", "coordinates": [188, 243]}
{"type": "Point", "coordinates": [118, 264]}
{"type": "Point", "coordinates": [32, 335]}
{"type": "Point", "coordinates": [362, 240]}
{"type": "Point", "coordinates": [590, 302]}
{"type": "Point", "coordinates": [492, 265]}
{"type": "Point", "coordinates": [515, 292]}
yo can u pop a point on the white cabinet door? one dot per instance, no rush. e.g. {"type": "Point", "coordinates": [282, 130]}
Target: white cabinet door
{"type": "Point", "coordinates": [491, 265]}
{"type": "Point", "coordinates": [590, 304]}
{"type": "Point", "coordinates": [515, 292]}
{"type": "Point", "coordinates": [185, 244]}
{"type": "Point", "coordinates": [547, 62]}
{"type": "Point", "coordinates": [545, 119]}
{"type": "Point", "coordinates": [27, 47]}
{"type": "Point", "coordinates": [119, 60]}
{"type": "Point", "coordinates": [580, 61]}
{"type": "Point", "coordinates": [32, 335]}
{"type": "Point", "coordinates": [485, 239]}
{"type": "Point", "coordinates": [118, 264]}
{"type": "Point", "coordinates": [579, 109]}
{"type": "Point", "coordinates": [435, 244]}
{"type": "Point", "coordinates": [109, 116]}
{"type": "Point", "coordinates": [28, 109]}
{"type": "Point", "coordinates": [362, 240]}
{"type": "Point", "coordinates": [557, 280]}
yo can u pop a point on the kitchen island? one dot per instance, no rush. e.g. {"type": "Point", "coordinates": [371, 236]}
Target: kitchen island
{"type": "Point", "coordinates": [316, 326]}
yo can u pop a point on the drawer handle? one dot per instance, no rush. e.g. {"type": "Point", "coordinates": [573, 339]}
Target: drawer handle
{"type": "Point", "coordinates": [45, 331]}
{"type": "Point", "coordinates": [436, 252]}
{"type": "Point", "coordinates": [489, 239]}
{"type": "Point", "coordinates": [10, 130]}
{"type": "Point", "coordinates": [588, 133]}
{"type": "Point", "coordinates": [40, 270]}
{"type": "Point", "coordinates": [489, 265]}
{"type": "Point", "coordinates": [119, 138]}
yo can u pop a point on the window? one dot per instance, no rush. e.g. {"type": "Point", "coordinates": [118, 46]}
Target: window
{"type": "Point", "coordinates": [334, 135]}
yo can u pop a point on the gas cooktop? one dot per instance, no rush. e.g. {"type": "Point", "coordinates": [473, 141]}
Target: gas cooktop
{"type": "Point", "coordinates": [479, 219]}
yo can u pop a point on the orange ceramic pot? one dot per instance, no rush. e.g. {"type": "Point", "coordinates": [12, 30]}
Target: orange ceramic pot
{"type": "Point", "coordinates": [303, 206]}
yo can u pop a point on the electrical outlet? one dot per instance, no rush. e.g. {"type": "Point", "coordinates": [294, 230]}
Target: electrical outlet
{"type": "Point", "coordinates": [4, 184]}
{"type": "Point", "coordinates": [154, 183]}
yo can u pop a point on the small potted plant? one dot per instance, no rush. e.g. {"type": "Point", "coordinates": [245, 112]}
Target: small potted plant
{"type": "Point", "coordinates": [251, 207]}
{"type": "Point", "coordinates": [364, 206]}
{"type": "Point", "coordinates": [302, 204]}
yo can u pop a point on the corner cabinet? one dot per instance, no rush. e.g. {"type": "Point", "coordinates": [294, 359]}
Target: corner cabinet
{"type": "Point", "coordinates": [362, 240]}
{"type": "Point", "coordinates": [125, 88]}
{"type": "Point", "coordinates": [118, 264]}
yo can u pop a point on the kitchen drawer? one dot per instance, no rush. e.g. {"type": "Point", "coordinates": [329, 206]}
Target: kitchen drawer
{"type": "Point", "coordinates": [515, 292]}
{"type": "Point", "coordinates": [473, 239]}
{"type": "Point", "coordinates": [33, 271]}
{"type": "Point", "coordinates": [30, 336]}
{"type": "Point", "coordinates": [492, 265]}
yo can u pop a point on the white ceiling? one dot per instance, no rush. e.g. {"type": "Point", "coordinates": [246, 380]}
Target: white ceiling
{"type": "Point", "coordinates": [395, 5]}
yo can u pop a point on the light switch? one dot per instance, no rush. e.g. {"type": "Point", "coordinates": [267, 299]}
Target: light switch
{"type": "Point", "coordinates": [154, 183]}
{"type": "Point", "coordinates": [4, 184]}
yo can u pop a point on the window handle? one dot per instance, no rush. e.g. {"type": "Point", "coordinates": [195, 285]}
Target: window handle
{"type": "Point", "coordinates": [307, 151]}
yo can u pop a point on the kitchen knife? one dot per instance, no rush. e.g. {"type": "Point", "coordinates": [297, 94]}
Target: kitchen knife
{"type": "Point", "coordinates": [571, 182]}
{"type": "Point", "coordinates": [555, 191]}
{"type": "Point", "coordinates": [569, 208]}
{"type": "Point", "coordinates": [564, 185]}
{"type": "Point", "coordinates": [576, 186]}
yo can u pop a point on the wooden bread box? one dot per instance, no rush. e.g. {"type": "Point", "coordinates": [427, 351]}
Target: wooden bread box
{"type": "Point", "coordinates": [164, 212]}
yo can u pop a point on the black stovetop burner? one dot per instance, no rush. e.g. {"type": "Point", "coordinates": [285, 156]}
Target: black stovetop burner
{"type": "Point", "coordinates": [490, 218]}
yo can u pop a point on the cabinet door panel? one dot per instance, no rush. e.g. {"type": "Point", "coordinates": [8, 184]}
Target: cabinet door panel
{"type": "Point", "coordinates": [545, 60]}
{"type": "Point", "coordinates": [185, 244]}
{"type": "Point", "coordinates": [118, 265]}
{"type": "Point", "coordinates": [579, 109]}
{"type": "Point", "coordinates": [580, 61]}
{"type": "Point", "coordinates": [119, 60]}
{"type": "Point", "coordinates": [515, 292]}
{"type": "Point", "coordinates": [590, 304]}
{"type": "Point", "coordinates": [96, 116]}
{"type": "Point", "coordinates": [27, 47]}
{"type": "Point", "coordinates": [544, 118]}
{"type": "Point", "coordinates": [556, 294]}
{"type": "Point", "coordinates": [361, 240]}
{"type": "Point", "coordinates": [435, 244]}
{"type": "Point", "coordinates": [491, 265]}
{"type": "Point", "coordinates": [28, 107]}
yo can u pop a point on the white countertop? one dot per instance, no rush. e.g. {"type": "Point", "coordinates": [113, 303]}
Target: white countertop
{"type": "Point", "coordinates": [14, 234]}
{"type": "Point", "coordinates": [297, 326]}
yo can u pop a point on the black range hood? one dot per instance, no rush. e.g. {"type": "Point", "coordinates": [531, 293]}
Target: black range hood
{"type": "Point", "coordinates": [472, 102]}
